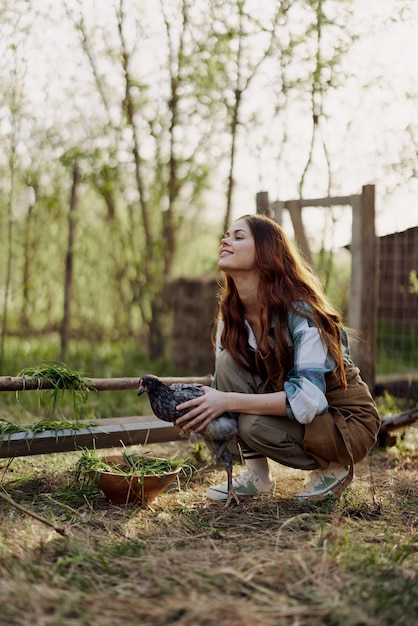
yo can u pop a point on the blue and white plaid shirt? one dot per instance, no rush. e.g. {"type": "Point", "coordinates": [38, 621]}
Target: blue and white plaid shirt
{"type": "Point", "coordinates": [305, 383]}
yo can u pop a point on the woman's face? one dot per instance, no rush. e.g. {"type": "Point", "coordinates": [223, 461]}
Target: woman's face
{"type": "Point", "coordinates": [237, 249]}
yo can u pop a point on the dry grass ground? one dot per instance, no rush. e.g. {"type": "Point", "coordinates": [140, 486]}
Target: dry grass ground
{"type": "Point", "coordinates": [181, 560]}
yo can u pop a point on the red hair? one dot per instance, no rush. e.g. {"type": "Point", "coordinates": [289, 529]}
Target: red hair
{"type": "Point", "coordinates": [286, 280]}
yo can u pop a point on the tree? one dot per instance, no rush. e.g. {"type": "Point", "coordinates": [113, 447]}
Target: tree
{"type": "Point", "coordinates": [69, 265]}
{"type": "Point", "coordinates": [13, 105]}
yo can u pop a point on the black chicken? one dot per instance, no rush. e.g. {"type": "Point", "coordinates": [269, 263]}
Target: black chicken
{"type": "Point", "coordinates": [218, 435]}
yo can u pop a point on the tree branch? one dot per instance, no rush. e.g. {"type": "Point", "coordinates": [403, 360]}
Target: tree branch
{"type": "Point", "coordinates": [19, 507]}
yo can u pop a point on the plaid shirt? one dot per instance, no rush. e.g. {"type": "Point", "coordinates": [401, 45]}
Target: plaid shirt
{"type": "Point", "coordinates": [305, 383]}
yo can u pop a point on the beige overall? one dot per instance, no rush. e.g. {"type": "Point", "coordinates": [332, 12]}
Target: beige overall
{"type": "Point", "coordinates": [344, 435]}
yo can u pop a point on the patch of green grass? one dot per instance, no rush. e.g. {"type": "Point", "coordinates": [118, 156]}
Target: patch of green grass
{"type": "Point", "coordinates": [262, 563]}
{"type": "Point", "coordinates": [388, 405]}
{"type": "Point", "coordinates": [104, 359]}
{"type": "Point", "coordinates": [93, 360]}
{"type": "Point", "coordinates": [396, 349]}
{"type": "Point", "coordinates": [388, 578]}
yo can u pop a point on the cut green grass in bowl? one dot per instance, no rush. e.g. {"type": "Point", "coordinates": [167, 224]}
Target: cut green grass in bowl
{"type": "Point", "coordinates": [126, 478]}
{"type": "Point", "coordinates": [130, 463]}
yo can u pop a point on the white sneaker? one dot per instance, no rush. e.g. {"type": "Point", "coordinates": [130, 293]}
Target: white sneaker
{"type": "Point", "coordinates": [247, 484]}
{"type": "Point", "coordinates": [324, 483]}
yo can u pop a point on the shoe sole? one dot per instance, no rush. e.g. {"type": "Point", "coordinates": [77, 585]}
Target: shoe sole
{"type": "Point", "coordinates": [334, 493]}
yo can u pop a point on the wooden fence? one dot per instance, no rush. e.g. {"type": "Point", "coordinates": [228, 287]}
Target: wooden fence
{"type": "Point", "coordinates": [121, 431]}
{"type": "Point", "coordinates": [364, 249]}
{"type": "Point", "coordinates": [125, 431]}
{"type": "Point", "coordinates": [398, 304]}
{"type": "Point", "coordinates": [101, 433]}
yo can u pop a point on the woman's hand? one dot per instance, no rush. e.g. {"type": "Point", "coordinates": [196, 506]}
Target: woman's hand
{"type": "Point", "coordinates": [202, 410]}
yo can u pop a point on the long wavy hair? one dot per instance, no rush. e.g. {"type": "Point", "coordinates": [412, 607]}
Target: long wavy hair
{"type": "Point", "coordinates": [286, 281]}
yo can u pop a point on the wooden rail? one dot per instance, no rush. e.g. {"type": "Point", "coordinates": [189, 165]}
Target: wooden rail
{"type": "Point", "coordinates": [105, 433]}
{"type": "Point", "coordinates": [17, 383]}
{"type": "Point", "coordinates": [118, 431]}
{"type": "Point", "coordinates": [109, 433]}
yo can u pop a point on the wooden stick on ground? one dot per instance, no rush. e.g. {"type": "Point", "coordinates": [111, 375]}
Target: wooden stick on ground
{"type": "Point", "coordinates": [392, 422]}
{"type": "Point", "coordinates": [21, 508]}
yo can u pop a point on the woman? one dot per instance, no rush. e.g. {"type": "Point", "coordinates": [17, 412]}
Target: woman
{"type": "Point", "coordinates": [283, 366]}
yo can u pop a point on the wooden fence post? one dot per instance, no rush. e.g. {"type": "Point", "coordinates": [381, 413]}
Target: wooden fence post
{"type": "Point", "coordinates": [362, 314]}
{"type": "Point", "coordinates": [277, 207]}
{"type": "Point", "coordinates": [295, 210]}
{"type": "Point", "coordinates": [262, 203]}
{"type": "Point", "coordinates": [363, 306]}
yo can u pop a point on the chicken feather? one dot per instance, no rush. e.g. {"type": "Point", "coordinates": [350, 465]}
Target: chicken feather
{"type": "Point", "coordinates": [218, 435]}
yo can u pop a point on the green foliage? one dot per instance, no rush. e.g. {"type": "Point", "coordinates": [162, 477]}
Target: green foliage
{"type": "Point", "coordinates": [100, 360]}
{"type": "Point", "coordinates": [388, 405]}
{"type": "Point", "coordinates": [396, 348]}
{"type": "Point", "coordinates": [413, 282]}
{"type": "Point", "coordinates": [149, 149]}
{"type": "Point", "coordinates": [335, 276]}
{"type": "Point", "coordinates": [197, 252]}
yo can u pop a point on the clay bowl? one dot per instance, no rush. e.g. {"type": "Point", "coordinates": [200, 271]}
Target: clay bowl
{"type": "Point", "coordinates": [122, 488]}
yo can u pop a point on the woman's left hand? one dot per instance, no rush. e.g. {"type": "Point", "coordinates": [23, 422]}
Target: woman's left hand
{"type": "Point", "coordinates": [202, 410]}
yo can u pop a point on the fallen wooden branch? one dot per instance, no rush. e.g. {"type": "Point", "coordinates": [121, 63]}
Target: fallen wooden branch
{"type": "Point", "coordinates": [19, 507]}
{"type": "Point", "coordinates": [392, 422]}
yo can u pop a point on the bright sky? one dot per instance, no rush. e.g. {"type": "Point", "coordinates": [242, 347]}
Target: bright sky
{"type": "Point", "coordinates": [387, 59]}
{"type": "Point", "coordinates": [366, 132]}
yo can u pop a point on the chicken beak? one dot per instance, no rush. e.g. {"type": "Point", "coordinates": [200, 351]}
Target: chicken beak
{"type": "Point", "coordinates": [141, 389]}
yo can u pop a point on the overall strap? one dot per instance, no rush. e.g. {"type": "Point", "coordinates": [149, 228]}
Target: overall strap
{"type": "Point", "coordinates": [341, 424]}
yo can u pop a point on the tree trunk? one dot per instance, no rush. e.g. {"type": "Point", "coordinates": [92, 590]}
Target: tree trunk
{"type": "Point", "coordinates": [69, 263]}
{"type": "Point", "coordinates": [26, 267]}
{"type": "Point", "coordinates": [9, 242]}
